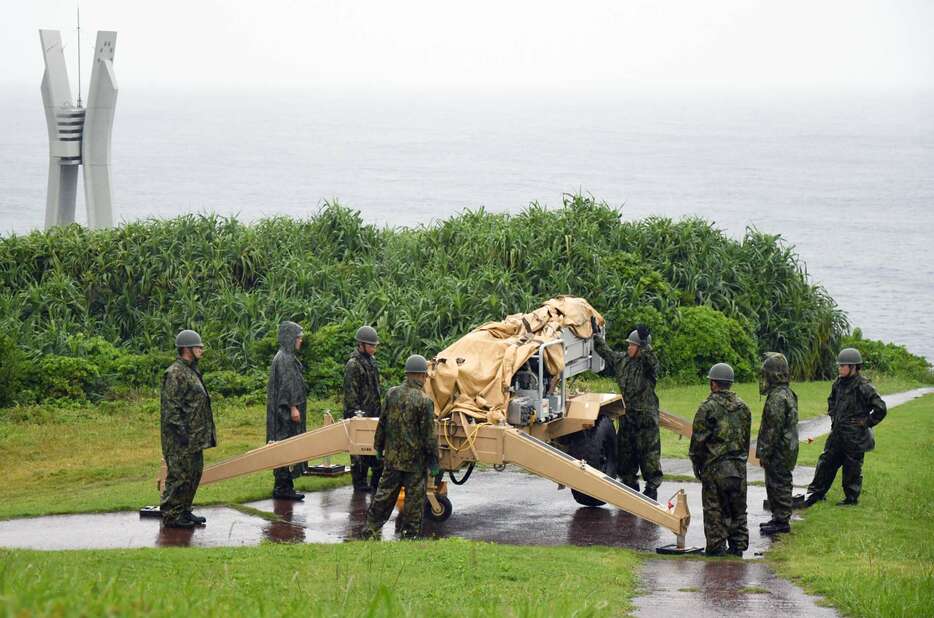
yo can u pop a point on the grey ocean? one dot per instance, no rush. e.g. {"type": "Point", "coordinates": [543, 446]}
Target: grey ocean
{"type": "Point", "coordinates": [848, 180]}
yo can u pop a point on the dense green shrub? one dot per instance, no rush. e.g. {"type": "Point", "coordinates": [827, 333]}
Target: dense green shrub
{"type": "Point", "coordinates": [704, 337]}
{"type": "Point", "coordinates": [232, 383]}
{"type": "Point", "coordinates": [133, 287]}
{"type": "Point", "coordinates": [11, 368]}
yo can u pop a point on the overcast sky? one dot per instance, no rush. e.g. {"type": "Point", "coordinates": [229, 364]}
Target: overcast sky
{"type": "Point", "coordinates": [486, 46]}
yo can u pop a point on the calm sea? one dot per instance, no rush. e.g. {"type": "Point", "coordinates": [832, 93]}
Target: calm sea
{"type": "Point", "coordinates": [848, 180]}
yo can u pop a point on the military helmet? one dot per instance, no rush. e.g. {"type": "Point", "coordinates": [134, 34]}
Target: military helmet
{"type": "Point", "coordinates": [775, 368]}
{"type": "Point", "coordinates": [188, 339]}
{"type": "Point", "coordinates": [367, 334]}
{"type": "Point", "coordinates": [637, 340]}
{"type": "Point", "coordinates": [849, 356]}
{"type": "Point", "coordinates": [721, 372]}
{"type": "Point", "coordinates": [416, 364]}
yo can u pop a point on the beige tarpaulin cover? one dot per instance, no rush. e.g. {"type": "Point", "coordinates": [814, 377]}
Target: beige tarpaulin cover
{"type": "Point", "coordinates": [474, 373]}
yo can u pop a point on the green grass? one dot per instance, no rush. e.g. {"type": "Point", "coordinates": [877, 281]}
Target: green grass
{"type": "Point", "coordinates": [449, 577]}
{"type": "Point", "coordinates": [876, 559]}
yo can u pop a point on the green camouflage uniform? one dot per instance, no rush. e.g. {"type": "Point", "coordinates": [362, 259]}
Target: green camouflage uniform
{"type": "Point", "coordinates": [777, 443]}
{"type": "Point", "coordinates": [286, 388]}
{"type": "Point", "coordinates": [638, 442]}
{"type": "Point", "coordinates": [719, 450]}
{"type": "Point", "coordinates": [187, 428]}
{"type": "Point", "coordinates": [408, 440]}
{"type": "Point", "coordinates": [854, 407]}
{"type": "Point", "coordinates": [362, 392]}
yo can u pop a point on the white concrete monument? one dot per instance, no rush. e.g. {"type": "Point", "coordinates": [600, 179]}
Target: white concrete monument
{"type": "Point", "coordinates": [78, 135]}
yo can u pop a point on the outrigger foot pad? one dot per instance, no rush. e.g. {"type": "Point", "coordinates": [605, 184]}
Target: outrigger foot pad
{"type": "Point", "coordinates": [674, 550]}
{"type": "Point", "coordinates": [326, 470]}
{"type": "Point", "coordinates": [150, 511]}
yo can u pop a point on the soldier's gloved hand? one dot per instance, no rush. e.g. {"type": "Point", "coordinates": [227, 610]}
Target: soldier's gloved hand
{"type": "Point", "coordinates": [643, 331]}
{"type": "Point", "coordinates": [435, 470]}
{"type": "Point", "coordinates": [379, 456]}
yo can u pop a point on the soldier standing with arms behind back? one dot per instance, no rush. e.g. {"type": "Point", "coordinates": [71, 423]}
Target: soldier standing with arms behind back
{"type": "Point", "coordinates": [187, 428]}
{"type": "Point", "coordinates": [719, 451]}
{"type": "Point", "coordinates": [777, 444]}
{"type": "Point", "coordinates": [407, 442]}
{"type": "Point", "coordinates": [362, 398]}
{"type": "Point", "coordinates": [286, 401]}
{"type": "Point", "coordinates": [854, 407]}
{"type": "Point", "coordinates": [638, 441]}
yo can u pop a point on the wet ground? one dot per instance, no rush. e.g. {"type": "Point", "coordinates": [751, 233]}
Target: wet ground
{"type": "Point", "coordinates": [714, 588]}
{"type": "Point", "coordinates": [503, 507]}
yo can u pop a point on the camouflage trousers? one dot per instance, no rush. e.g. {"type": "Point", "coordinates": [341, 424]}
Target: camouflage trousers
{"type": "Point", "coordinates": [836, 454]}
{"type": "Point", "coordinates": [360, 466]}
{"type": "Point", "coordinates": [778, 490]}
{"type": "Point", "coordinates": [639, 447]}
{"type": "Point", "coordinates": [181, 483]}
{"type": "Point", "coordinates": [724, 501]}
{"type": "Point", "coordinates": [384, 501]}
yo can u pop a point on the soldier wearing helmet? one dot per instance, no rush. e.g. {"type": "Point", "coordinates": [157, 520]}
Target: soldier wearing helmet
{"type": "Point", "coordinates": [637, 440]}
{"type": "Point", "coordinates": [854, 407]}
{"type": "Point", "coordinates": [407, 441]}
{"type": "Point", "coordinates": [187, 428]}
{"type": "Point", "coordinates": [777, 444]}
{"type": "Point", "coordinates": [719, 450]}
{"type": "Point", "coordinates": [362, 397]}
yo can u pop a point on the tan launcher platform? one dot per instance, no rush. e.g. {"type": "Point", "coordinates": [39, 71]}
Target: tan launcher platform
{"type": "Point", "coordinates": [461, 442]}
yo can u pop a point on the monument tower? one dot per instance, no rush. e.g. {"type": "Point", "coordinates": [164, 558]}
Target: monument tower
{"type": "Point", "coordinates": [79, 136]}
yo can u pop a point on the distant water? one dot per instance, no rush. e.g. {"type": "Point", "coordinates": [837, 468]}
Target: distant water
{"type": "Point", "coordinates": [849, 181]}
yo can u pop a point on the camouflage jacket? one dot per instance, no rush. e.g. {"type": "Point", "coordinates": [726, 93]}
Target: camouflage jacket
{"type": "Point", "coordinates": [720, 440]}
{"type": "Point", "coordinates": [777, 444]}
{"type": "Point", "coordinates": [186, 409]}
{"type": "Point", "coordinates": [286, 388]}
{"type": "Point", "coordinates": [406, 432]}
{"type": "Point", "coordinates": [636, 376]}
{"type": "Point", "coordinates": [854, 406]}
{"type": "Point", "coordinates": [361, 385]}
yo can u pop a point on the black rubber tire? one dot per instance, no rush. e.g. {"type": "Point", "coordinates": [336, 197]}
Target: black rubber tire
{"type": "Point", "coordinates": [596, 446]}
{"type": "Point", "coordinates": [446, 505]}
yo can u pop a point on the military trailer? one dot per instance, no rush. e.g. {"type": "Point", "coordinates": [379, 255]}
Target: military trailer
{"type": "Point", "coordinates": [502, 396]}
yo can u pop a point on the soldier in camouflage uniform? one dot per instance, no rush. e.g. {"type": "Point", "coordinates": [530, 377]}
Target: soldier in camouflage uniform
{"type": "Point", "coordinates": [286, 404]}
{"type": "Point", "coordinates": [854, 407]}
{"type": "Point", "coordinates": [407, 442]}
{"type": "Point", "coordinates": [187, 428]}
{"type": "Point", "coordinates": [777, 444]}
{"type": "Point", "coordinates": [362, 398]}
{"type": "Point", "coordinates": [719, 450]}
{"type": "Point", "coordinates": [638, 440]}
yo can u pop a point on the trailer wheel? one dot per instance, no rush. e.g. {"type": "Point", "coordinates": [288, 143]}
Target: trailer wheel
{"type": "Point", "coordinates": [446, 509]}
{"type": "Point", "coordinates": [596, 446]}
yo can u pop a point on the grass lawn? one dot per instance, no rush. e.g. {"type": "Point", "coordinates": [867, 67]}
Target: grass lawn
{"type": "Point", "coordinates": [450, 577]}
{"type": "Point", "coordinates": [875, 559]}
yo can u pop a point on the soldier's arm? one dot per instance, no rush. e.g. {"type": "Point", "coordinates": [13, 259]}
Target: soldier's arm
{"type": "Point", "coordinates": [651, 364]}
{"type": "Point", "coordinates": [611, 357]}
{"type": "Point", "coordinates": [352, 388]}
{"type": "Point", "coordinates": [772, 417]}
{"type": "Point", "coordinates": [877, 407]}
{"type": "Point", "coordinates": [699, 435]}
{"type": "Point", "coordinates": [429, 433]}
{"type": "Point", "coordinates": [379, 439]}
{"type": "Point", "coordinates": [173, 405]}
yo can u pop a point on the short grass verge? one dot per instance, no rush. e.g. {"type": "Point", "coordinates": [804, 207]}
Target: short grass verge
{"type": "Point", "coordinates": [875, 559]}
{"type": "Point", "coordinates": [450, 577]}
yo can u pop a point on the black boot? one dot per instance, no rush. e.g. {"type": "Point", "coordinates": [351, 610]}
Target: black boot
{"type": "Point", "coordinates": [813, 499]}
{"type": "Point", "coordinates": [719, 551]}
{"type": "Point", "coordinates": [181, 522]}
{"type": "Point", "coordinates": [651, 492]}
{"type": "Point", "coordinates": [777, 527]}
{"type": "Point", "coordinates": [768, 523]}
{"type": "Point", "coordinates": [196, 518]}
{"type": "Point", "coordinates": [735, 551]}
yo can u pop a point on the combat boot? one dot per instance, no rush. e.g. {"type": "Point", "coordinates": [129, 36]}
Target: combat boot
{"type": "Point", "coordinates": [768, 523]}
{"type": "Point", "coordinates": [182, 522]}
{"type": "Point", "coordinates": [288, 494]}
{"type": "Point", "coordinates": [196, 518]}
{"type": "Point", "coordinates": [735, 551]}
{"type": "Point", "coordinates": [848, 502]}
{"type": "Point", "coordinates": [719, 551]}
{"type": "Point", "coordinates": [812, 500]}
{"type": "Point", "coordinates": [651, 492]}
{"type": "Point", "coordinates": [777, 527]}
